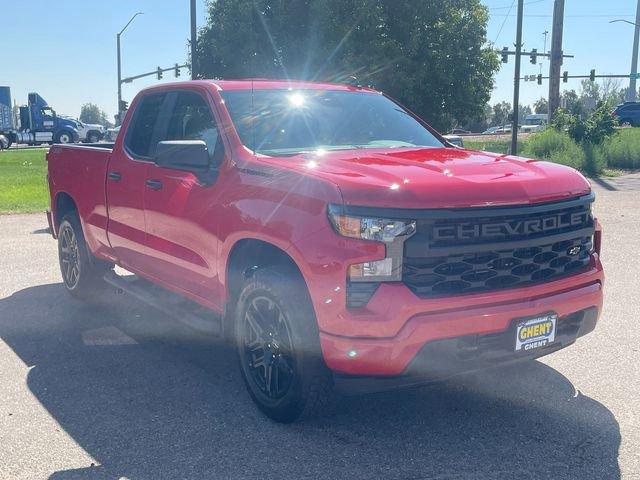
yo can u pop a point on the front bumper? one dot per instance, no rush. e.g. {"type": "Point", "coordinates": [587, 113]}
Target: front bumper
{"type": "Point", "coordinates": [442, 359]}
{"type": "Point", "coordinates": [392, 355]}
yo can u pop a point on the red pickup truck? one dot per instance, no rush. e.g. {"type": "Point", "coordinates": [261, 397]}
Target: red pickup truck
{"type": "Point", "coordinates": [334, 237]}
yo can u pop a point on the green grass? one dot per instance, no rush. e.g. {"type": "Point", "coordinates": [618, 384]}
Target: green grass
{"type": "Point", "coordinates": [496, 146]}
{"type": "Point", "coordinates": [623, 149]}
{"type": "Point", "coordinates": [23, 186]}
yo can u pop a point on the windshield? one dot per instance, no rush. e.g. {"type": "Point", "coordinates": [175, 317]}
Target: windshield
{"type": "Point", "coordinates": [285, 122]}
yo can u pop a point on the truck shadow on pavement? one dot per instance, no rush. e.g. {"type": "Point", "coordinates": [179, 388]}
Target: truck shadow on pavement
{"type": "Point", "coordinates": [149, 400]}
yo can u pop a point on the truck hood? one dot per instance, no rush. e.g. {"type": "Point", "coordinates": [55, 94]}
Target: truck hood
{"type": "Point", "coordinates": [439, 177]}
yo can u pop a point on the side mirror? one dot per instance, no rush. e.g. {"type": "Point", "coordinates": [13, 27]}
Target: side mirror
{"type": "Point", "coordinates": [188, 155]}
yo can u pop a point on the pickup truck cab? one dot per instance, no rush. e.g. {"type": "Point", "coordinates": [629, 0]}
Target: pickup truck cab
{"type": "Point", "coordinates": [334, 238]}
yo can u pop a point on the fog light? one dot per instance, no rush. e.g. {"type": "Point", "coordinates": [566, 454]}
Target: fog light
{"type": "Point", "coordinates": [379, 268]}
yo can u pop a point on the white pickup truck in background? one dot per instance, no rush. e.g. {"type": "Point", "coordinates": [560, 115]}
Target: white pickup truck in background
{"type": "Point", "coordinates": [89, 132]}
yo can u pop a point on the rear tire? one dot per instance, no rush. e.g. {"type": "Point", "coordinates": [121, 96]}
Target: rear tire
{"type": "Point", "coordinates": [278, 346]}
{"type": "Point", "coordinates": [93, 138]}
{"type": "Point", "coordinates": [82, 274]}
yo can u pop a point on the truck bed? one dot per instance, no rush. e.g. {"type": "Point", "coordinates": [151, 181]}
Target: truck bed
{"type": "Point", "coordinates": [79, 172]}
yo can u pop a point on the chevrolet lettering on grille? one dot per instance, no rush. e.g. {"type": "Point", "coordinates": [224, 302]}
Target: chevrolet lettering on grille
{"type": "Point", "coordinates": [546, 224]}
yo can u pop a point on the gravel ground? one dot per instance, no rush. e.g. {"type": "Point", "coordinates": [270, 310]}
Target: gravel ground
{"type": "Point", "coordinates": [117, 390]}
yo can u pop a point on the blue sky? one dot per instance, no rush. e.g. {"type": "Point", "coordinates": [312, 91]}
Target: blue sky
{"type": "Point", "coordinates": [66, 50]}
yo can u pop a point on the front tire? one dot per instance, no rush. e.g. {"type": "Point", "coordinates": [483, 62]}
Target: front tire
{"type": "Point", "coordinates": [93, 138]}
{"type": "Point", "coordinates": [82, 275]}
{"type": "Point", "coordinates": [277, 341]}
{"type": "Point", "coordinates": [64, 137]}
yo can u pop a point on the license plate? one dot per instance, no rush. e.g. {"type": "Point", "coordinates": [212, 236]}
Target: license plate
{"type": "Point", "coordinates": [537, 332]}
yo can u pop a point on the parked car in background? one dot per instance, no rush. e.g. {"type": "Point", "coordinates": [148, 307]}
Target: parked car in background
{"type": "Point", "coordinates": [490, 131]}
{"type": "Point", "coordinates": [455, 140]}
{"type": "Point", "coordinates": [628, 113]}
{"type": "Point", "coordinates": [111, 134]}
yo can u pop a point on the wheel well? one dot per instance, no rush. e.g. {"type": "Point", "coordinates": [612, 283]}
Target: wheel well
{"type": "Point", "coordinates": [249, 255]}
{"type": "Point", "coordinates": [64, 206]}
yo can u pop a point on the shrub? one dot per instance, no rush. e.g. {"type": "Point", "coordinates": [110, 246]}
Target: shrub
{"type": "Point", "coordinates": [555, 146]}
{"type": "Point", "coordinates": [623, 149]}
{"type": "Point", "coordinates": [596, 129]}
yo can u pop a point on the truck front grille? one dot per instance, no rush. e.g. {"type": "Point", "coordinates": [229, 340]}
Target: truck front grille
{"type": "Point", "coordinates": [495, 269]}
{"type": "Point", "coordinates": [481, 250]}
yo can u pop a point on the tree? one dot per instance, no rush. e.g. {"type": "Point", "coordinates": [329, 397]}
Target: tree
{"type": "Point", "coordinates": [501, 113]}
{"type": "Point", "coordinates": [431, 55]}
{"type": "Point", "coordinates": [541, 106]}
{"type": "Point", "coordinates": [91, 113]}
{"type": "Point", "coordinates": [571, 103]}
{"type": "Point", "coordinates": [590, 95]}
{"type": "Point", "coordinates": [523, 111]}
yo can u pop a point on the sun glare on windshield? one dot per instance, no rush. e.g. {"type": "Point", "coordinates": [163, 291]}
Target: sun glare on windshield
{"type": "Point", "coordinates": [296, 100]}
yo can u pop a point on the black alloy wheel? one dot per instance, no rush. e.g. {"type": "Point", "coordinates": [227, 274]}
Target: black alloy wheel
{"type": "Point", "coordinates": [268, 353]}
{"type": "Point", "coordinates": [69, 256]}
{"type": "Point", "coordinates": [278, 346]}
{"type": "Point", "coordinates": [82, 273]}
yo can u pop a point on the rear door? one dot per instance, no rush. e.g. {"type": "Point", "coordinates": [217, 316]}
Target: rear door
{"type": "Point", "coordinates": [182, 211]}
{"type": "Point", "coordinates": [126, 177]}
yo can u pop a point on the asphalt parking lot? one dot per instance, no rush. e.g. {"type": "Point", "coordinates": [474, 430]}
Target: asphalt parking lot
{"type": "Point", "coordinates": [118, 391]}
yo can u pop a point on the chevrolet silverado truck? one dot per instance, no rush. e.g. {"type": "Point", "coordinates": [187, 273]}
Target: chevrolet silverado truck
{"type": "Point", "coordinates": [332, 236]}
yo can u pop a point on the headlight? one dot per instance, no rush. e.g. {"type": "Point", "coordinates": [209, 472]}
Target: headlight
{"type": "Point", "coordinates": [391, 232]}
{"type": "Point", "coordinates": [376, 229]}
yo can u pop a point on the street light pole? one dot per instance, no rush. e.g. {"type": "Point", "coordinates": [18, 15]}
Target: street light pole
{"type": "Point", "coordinates": [516, 81]}
{"type": "Point", "coordinates": [194, 70]}
{"type": "Point", "coordinates": [632, 93]}
{"type": "Point", "coordinates": [119, 120]}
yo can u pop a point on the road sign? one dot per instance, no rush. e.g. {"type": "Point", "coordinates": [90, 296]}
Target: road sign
{"type": "Point", "coordinates": [634, 75]}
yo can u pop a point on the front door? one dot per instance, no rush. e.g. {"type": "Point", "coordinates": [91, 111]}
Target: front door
{"type": "Point", "coordinates": [180, 209]}
{"type": "Point", "coordinates": [126, 175]}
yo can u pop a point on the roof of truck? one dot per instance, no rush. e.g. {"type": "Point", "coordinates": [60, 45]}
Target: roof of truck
{"type": "Point", "coordinates": [262, 84]}
{"type": "Point", "coordinates": [270, 84]}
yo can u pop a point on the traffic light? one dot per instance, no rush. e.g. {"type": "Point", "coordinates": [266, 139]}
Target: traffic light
{"type": "Point", "coordinates": [159, 73]}
{"type": "Point", "coordinates": [565, 77]}
{"type": "Point", "coordinates": [533, 56]}
{"type": "Point", "coordinates": [177, 70]}
{"type": "Point", "coordinates": [124, 105]}
{"type": "Point", "coordinates": [540, 79]}
{"type": "Point", "coordinates": [505, 54]}
{"type": "Point", "coordinates": [592, 75]}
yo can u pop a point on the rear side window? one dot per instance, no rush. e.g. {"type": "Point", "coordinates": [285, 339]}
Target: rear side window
{"type": "Point", "coordinates": [141, 130]}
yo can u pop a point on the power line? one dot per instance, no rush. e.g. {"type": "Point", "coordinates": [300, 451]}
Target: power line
{"type": "Point", "coordinates": [504, 21]}
{"type": "Point", "coordinates": [572, 16]}
{"type": "Point", "coordinates": [505, 7]}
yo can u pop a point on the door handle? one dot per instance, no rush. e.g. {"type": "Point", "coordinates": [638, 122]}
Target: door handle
{"type": "Point", "coordinates": [115, 176]}
{"type": "Point", "coordinates": [154, 184]}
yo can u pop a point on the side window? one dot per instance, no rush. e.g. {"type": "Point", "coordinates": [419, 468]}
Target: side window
{"type": "Point", "coordinates": [192, 119]}
{"type": "Point", "coordinates": [142, 127]}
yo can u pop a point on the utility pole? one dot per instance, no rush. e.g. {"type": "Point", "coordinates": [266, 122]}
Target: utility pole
{"type": "Point", "coordinates": [555, 63]}
{"type": "Point", "coordinates": [632, 93]}
{"type": "Point", "coordinates": [516, 81]}
{"type": "Point", "coordinates": [194, 70]}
